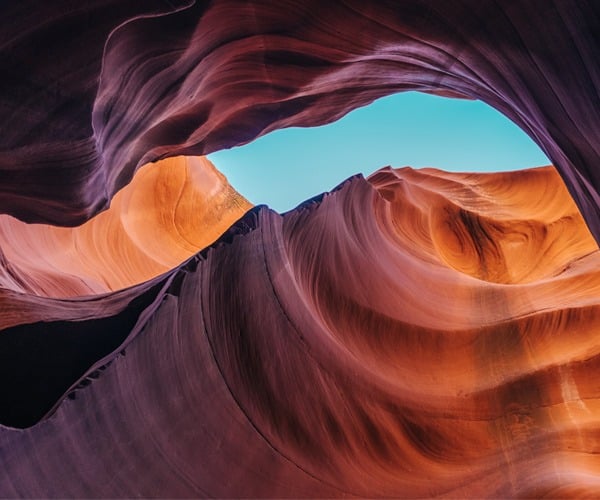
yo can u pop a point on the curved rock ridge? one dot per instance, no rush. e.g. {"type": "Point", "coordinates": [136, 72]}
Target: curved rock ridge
{"type": "Point", "coordinates": [340, 349]}
{"type": "Point", "coordinates": [511, 227]}
{"type": "Point", "coordinates": [91, 92]}
{"type": "Point", "coordinates": [170, 211]}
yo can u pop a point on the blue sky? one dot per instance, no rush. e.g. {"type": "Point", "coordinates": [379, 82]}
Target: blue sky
{"type": "Point", "coordinates": [287, 166]}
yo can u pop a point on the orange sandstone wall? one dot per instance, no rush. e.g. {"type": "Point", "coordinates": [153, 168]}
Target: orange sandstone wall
{"type": "Point", "coordinates": [170, 211]}
{"type": "Point", "coordinates": [342, 349]}
{"type": "Point", "coordinates": [415, 334]}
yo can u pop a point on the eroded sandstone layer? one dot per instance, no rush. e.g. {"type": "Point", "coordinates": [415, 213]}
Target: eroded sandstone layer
{"type": "Point", "coordinates": [170, 211]}
{"type": "Point", "coordinates": [340, 349]}
{"type": "Point", "coordinates": [414, 334]}
{"type": "Point", "coordinates": [91, 91]}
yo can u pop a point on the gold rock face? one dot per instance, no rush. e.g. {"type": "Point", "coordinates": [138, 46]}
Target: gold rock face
{"type": "Point", "coordinates": [511, 227]}
{"type": "Point", "coordinates": [171, 210]}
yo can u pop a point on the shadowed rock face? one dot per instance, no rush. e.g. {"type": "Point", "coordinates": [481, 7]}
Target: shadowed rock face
{"type": "Point", "coordinates": [416, 333]}
{"type": "Point", "coordinates": [90, 92]}
{"type": "Point", "coordinates": [339, 349]}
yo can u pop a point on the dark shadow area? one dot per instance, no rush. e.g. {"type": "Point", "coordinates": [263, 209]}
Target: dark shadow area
{"type": "Point", "coordinates": [39, 362]}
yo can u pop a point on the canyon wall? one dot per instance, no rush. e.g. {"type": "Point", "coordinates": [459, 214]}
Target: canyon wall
{"type": "Point", "coordinates": [416, 333]}
{"type": "Point", "coordinates": [91, 92]}
{"type": "Point", "coordinates": [170, 211]}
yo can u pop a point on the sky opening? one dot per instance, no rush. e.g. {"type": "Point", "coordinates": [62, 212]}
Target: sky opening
{"type": "Point", "coordinates": [288, 166]}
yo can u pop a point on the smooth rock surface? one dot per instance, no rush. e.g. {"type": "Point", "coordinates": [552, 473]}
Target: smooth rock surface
{"type": "Point", "coordinates": [415, 334]}
{"type": "Point", "coordinates": [170, 211]}
{"type": "Point", "coordinates": [92, 91]}
{"type": "Point", "coordinates": [341, 349]}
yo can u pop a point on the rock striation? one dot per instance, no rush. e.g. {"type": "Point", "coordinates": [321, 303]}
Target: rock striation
{"type": "Point", "coordinates": [170, 211]}
{"type": "Point", "coordinates": [416, 333]}
{"type": "Point", "coordinates": [340, 349]}
{"type": "Point", "coordinates": [91, 92]}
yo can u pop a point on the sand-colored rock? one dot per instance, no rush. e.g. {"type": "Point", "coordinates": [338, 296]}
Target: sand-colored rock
{"type": "Point", "coordinates": [512, 227]}
{"type": "Point", "coordinates": [342, 349]}
{"type": "Point", "coordinates": [170, 211]}
{"type": "Point", "coordinates": [418, 334]}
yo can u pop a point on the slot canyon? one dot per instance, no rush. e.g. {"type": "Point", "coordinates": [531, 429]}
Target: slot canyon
{"type": "Point", "coordinates": [411, 333]}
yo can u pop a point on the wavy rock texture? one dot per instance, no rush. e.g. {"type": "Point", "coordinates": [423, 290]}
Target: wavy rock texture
{"type": "Point", "coordinates": [92, 91]}
{"type": "Point", "coordinates": [415, 334]}
{"type": "Point", "coordinates": [170, 211]}
{"type": "Point", "coordinates": [340, 349]}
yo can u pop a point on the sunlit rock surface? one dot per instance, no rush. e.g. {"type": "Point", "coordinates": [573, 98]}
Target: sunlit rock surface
{"type": "Point", "coordinates": [416, 334]}
{"type": "Point", "coordinates": [341, 349]}
{"type": "Point", "coordinates": [169, 212]}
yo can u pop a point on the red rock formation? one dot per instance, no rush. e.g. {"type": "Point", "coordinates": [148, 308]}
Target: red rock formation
{"type": "Point", "coordinates": [170, 211]}
{"type": "Point", "coordinates": [91, 92]}
{"type": "Point", "coordinates": [416, 334]}
{"type": "Point", "coordinates": [340, 349]}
